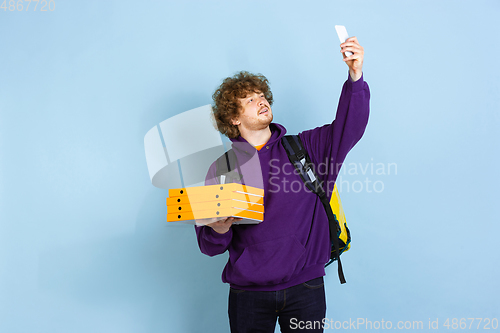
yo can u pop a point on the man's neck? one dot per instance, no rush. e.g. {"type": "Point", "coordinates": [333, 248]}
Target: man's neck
{"type": "Point", "coordinates": [256, 138]}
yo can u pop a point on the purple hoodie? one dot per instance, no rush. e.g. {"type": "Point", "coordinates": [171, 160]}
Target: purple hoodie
{"type": "Point", "coordinates": [291, 245]}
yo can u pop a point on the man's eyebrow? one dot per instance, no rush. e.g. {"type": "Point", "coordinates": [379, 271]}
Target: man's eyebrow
{"type": "Point", "coordinates": [250, 94]}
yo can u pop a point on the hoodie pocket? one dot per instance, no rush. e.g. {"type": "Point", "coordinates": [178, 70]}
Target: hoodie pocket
{"type": "Point", "coordinates": [268, 263]}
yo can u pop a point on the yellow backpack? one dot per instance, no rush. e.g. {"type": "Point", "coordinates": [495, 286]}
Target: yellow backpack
{"type": "Point", "coordinates": [338, 212]}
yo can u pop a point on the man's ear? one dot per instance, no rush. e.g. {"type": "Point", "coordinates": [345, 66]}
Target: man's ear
{"type": "Point", "coordinates": [235, 122]}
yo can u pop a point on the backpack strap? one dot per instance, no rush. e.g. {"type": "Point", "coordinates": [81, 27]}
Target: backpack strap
{"type": "Point", "coordinates": [227, 168]}
{"type": "Point", "coordinates": [300, 159]}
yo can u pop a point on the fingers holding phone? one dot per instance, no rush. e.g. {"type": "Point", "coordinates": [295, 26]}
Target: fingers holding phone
{"type": "Point", "coordinates": [355, 60]}
{"type": "Point", "coordinates": [352, 52]}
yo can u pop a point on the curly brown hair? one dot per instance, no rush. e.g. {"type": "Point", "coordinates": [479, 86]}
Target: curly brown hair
{"type": "Point", "coordinates": [226, 105]}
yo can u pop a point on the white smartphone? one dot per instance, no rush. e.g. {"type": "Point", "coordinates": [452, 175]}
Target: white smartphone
{"type": "Point", "coordinates": [343, 35]}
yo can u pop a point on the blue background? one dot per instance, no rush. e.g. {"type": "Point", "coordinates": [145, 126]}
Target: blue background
{"type": "Point", "coordinates": [84, 243]}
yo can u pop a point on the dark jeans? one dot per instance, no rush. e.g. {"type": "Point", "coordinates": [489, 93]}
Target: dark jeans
{"type": "Point", "coordinates": [299, 308]}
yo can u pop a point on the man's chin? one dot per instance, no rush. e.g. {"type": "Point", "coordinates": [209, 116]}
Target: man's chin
{"type": "Point", "coordinates": [267, 121]}
{"type": "Point", "coordinates": [262, 123]}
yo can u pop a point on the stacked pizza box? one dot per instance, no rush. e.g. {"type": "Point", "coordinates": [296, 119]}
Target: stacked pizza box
{"type": "Point", "coordinates": [206, 204]}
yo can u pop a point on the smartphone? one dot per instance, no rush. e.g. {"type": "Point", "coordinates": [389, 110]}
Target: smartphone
{"type": "Point", "coordinates": [343, 35]}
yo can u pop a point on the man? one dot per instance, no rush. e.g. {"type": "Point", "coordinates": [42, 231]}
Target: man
{"type": "Point", "coordinates": [276, 268]}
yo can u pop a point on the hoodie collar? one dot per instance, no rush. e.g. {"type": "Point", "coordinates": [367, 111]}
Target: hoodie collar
{"type": "Point", "coordinates": [277, 132]}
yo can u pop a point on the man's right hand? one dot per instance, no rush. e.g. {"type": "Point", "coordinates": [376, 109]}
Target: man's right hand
{"type": "Point", "coordinates": [222, 226]}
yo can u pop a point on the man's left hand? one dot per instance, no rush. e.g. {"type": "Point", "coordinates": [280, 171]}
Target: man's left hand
{"type": "Point", "coordinates": [355, 60]}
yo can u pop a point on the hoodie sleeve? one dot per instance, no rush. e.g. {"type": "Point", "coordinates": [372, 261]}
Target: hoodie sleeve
{"type": "Point", "coordinates": [210, 242]}
{"type": "Point", "coordinates": [328, 145]}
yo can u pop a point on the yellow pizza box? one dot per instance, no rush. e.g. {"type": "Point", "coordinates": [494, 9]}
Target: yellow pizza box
{"type": "Point", "coordinates": [189, 199]}
{"type": "Point", "coordinates": [210, 190]}
{"type": "Point", "coordinates": [219, 204]}
{"type": "Point", "coordinates": [216, 214]}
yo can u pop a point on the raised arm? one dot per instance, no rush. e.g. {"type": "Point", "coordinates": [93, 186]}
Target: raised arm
{"type": "Point", "coordinates": [328, 145]}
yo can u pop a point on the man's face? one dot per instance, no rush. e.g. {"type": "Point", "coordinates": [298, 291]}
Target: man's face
{"type": "Point", "coordinates": [255, 112]}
